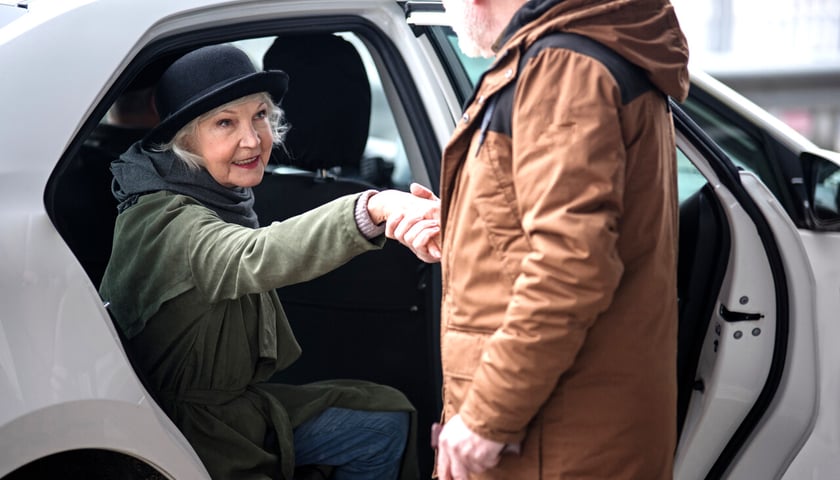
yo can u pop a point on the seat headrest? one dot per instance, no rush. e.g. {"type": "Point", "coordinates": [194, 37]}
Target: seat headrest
{"type": "Point", "coordinates": [328, 103]}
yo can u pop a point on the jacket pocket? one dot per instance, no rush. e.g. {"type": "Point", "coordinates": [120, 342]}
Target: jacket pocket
{"type": "Point", "coordinates": [461, 352]}
{"type": "Point", "coordinates": [494, 201]}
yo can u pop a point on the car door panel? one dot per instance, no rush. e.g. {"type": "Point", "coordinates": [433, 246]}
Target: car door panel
{"type": "Point", "coordinates": [744, 402]}
{"type": "Point", "coordinates": [791, 415]}
{"type": "Point", "coordinates": [735, 357]}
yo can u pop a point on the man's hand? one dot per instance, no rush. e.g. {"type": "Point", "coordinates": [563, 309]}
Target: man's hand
{"type": "Point", "coordinates": [461, 452]}
{"type": "Point", "coordinates": [421, 236]}
{"type": "Point", "coordinates": [412, 219]}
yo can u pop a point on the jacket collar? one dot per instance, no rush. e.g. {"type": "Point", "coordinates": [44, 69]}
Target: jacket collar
{"type": "Point", "coordinates": [529, 12]}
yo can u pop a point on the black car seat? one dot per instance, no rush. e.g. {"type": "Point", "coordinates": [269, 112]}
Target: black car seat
{"type": "Point", "coordinates": [369, 319]}
{"type": "Point", "coordinates": [328, 107]}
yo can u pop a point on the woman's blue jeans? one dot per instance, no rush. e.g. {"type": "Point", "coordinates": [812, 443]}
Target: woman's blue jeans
{"type": "Point", "coordinates": [360, 445]}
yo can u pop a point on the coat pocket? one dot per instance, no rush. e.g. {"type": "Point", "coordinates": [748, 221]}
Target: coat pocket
{"type": "Point", "coordinates": [461, 352]}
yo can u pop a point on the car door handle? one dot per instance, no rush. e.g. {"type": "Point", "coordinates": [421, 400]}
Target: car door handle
{"type": "Point", "coordinates": [731, 316]}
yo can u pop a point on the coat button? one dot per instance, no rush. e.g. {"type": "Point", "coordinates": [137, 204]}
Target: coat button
{"type": "Point", "coordinates": [481, 100]}
{"type": "Point", "coordinates": [508, 73]}
{"type": "Point", "coordinates": [466, 118]}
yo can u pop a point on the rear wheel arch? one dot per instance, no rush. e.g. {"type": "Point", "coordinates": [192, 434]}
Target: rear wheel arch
{"type": "Point", "coordinates": [87, 463]}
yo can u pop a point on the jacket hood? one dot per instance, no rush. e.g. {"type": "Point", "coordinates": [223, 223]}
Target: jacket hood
{"type": "Point", "coordinates": [645, 32]}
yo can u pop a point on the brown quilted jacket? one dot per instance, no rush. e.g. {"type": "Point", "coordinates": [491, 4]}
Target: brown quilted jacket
{"type": "Point", "coordinates": [559, 310]}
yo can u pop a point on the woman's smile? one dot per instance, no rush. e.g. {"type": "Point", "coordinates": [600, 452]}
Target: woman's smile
{"type": "Point", "coordinates": [248, 163]}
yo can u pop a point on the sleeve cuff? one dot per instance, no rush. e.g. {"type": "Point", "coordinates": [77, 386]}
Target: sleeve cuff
{"type": "Point", "coordinates": [365, 224]}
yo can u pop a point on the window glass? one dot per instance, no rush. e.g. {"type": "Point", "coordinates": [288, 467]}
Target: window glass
{"type": "Point", "coordinates": [474, 67]}
{"type": "Point", "coordinates": [741, 147]}
{"type": "Point", "coordinates": [689, 179]}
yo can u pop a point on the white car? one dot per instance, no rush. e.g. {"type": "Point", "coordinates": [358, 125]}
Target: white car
{"type": "Point", "coordinates": [759, 375]}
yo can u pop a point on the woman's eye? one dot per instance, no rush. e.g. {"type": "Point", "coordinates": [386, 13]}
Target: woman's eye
{"type": "Point", "coordinates": [261, 114]}
{"type": "Point", "coordinates": [223, 122]}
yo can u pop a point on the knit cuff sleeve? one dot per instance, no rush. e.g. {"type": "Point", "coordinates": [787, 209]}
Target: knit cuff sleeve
{"type": "Point", "coordinates": [363, 221]}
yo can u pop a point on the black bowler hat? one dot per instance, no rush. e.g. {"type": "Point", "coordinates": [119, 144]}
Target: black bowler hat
{"type": "Point", "coordinates": [203, 80]}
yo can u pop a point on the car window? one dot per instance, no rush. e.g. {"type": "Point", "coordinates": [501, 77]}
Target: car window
{"type": "Point", "coordinates": [741, 146]}
{"type": "Point", "coordinates": [689, 179]}
{"type": "Point", "coordinates": [747, 146]}
{"type": "Point", "coordinates": [473, 67]}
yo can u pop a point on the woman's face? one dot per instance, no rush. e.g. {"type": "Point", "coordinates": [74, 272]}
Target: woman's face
{"type": "Point", "coordinates": [235, 143]}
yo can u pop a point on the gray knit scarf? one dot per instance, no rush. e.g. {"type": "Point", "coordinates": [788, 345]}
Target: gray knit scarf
{"type": "Point", "coordinates": [139, 171]}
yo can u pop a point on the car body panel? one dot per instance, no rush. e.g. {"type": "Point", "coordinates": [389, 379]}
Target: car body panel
{"type": "Point", "coordinates": [61, 357]}
{"type": "Point", "coordinates": [818, 458]}
{"type": "Point", "coordinates": [96, 424]}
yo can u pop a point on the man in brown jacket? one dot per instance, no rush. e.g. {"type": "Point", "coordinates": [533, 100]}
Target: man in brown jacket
{"type": "Point", "coordinates": [559, 238]}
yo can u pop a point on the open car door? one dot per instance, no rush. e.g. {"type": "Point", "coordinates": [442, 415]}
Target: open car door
{"type": "Point", "coordinates": [746, 352]}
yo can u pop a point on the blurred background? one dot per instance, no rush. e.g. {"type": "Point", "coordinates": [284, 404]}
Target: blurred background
{"type": "Point", "coordinates": [784, 55]}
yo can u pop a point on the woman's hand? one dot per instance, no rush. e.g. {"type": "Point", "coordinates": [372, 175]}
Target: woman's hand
{"type": "Point", "coordinates": [413, 219]}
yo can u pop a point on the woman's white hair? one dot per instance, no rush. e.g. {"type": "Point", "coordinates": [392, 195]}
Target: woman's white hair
{"type": "Point", "coordinates": [180, 142]}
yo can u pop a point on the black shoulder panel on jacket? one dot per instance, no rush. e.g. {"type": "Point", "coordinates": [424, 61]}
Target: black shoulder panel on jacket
{"type": "Point", "coordinates": [632, 80]}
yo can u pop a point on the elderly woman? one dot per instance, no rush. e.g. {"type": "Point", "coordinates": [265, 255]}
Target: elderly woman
{"type": "Point", "coordinates": [191, 282]}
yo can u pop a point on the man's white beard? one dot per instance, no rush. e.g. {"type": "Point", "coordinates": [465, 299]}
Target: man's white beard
{"type": "Point", "coordinates": [474, 30]}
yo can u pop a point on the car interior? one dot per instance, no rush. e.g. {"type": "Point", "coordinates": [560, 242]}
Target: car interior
{"type": "Point", "coordinates": [374, 318]}
{"type": "Point", "coordinates": [370, 319]}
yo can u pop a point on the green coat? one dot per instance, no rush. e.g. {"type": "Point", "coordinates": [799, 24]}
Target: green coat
{"type": "Point", "coordinates": [195, 296]}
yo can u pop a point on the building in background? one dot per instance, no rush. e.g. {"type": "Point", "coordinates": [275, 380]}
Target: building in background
{"type": "Point", "coordinates": [783, 55]}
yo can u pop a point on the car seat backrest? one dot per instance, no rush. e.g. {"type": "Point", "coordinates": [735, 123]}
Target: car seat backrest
{"type": "Point", "coordinates": [328, 103]}
{"type": "Point", "coordinates": [328, 108]}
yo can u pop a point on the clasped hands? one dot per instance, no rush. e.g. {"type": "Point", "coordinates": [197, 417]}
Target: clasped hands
{"type": "Point", "coordinates": [413, 219]}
